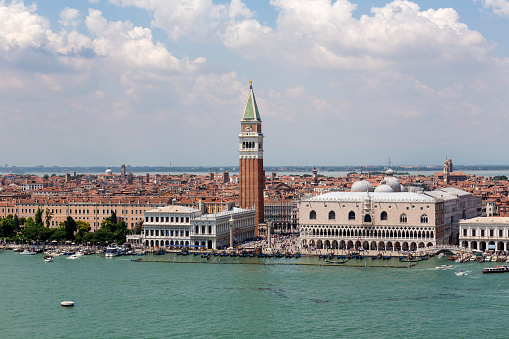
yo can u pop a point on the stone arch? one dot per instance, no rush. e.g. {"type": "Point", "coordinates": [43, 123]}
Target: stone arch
{"type": "Point", "coordinates": [421, 245]}
{"type": "Point", "coordinates": [332, 215]}
{"type": "Point", "coordinates": [367, 218]}
{"type": "Point", "coordinates": [397, 246]}
{"type": "Point", "coordinates": [413, 246]}
{"type": "Point", "coordinates": [373, 246]}
{"type": "Point", "coordinates": [327, 244]}
{"type": "Point", "coordinates": [342, 244]}
{"type": "Point", "coordinates": [351, 215]}
{"type": "Point", "coordinates": [465, 244]}
{"type": "Point", "coordinates": [319, 244]}
{"type": "Point", "coordinates": [389, 246]}
{"type": "Point", "coordinates": [381, 246]}
{"type": "Point", "coordinates": [383, 215]}
{"type": "Point", "coordinates": [334, 244]}
{"type": "Point", "coordinates": [312, 215]}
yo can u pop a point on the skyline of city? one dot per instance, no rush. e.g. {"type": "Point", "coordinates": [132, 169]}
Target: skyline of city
{"type": "Point", "coordinates": [338, 82]}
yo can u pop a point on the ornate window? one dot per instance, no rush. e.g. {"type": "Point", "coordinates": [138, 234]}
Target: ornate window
{"type": "Point", "coordinates": [403, 218]}
{"type": "Point", "coordinates": [312, 215]}
{"type": "Point", "coordinates": [383, 216]}
{"type": "Point", "coordinates": [351, 215]}
{"type": "Point", "coordinates": [332, 215]}
{"type": "Point", "coordinates": [367, 218]}
{"type": "Point", "coordinates": [424, 219]}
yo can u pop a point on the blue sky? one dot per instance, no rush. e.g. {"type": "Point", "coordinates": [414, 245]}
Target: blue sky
{"type": "Point", "coordinates": [337, 82]}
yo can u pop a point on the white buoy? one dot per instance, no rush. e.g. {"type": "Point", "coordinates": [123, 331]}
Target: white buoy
{"type": "Point", "coordinates": [67, 303]}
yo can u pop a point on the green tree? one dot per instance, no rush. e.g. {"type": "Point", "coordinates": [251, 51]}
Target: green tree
{"type": "Point", "coordinates": [7, 226]}
{"type": "Point", "coordinates": [499, 177]}
{"type": "Point", "coordinates": [46, 176]}
{"type": "Point", "coordinates": [59, 234]}
{"type": "Point", "coordinates": [83, 229]}
{"type": "Point", "coordinates": [138, 229]}
{"type": "Point", "coordinates": [48, 217]}
{"type": "Point", "coordinates": [38, 217]}
{"type": "Point", "coordinates": [16, 223]}
{"type": "Point", "coordinates": [70, 227]}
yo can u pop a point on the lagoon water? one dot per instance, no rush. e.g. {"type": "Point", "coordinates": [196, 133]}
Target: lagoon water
{"type": "Point", "coordinates": [118, 298]}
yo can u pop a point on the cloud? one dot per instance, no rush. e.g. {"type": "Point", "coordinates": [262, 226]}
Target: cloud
{"type": "Point", "coordinates": [132, 45]}
{"type": "Point", "coordinates": [500, 7]}
{"type": "Point", "coordinates": [21, 28]}
{"type": "Point", "coordinates": [70, 17]}
{"type": "Point", "coordinates": [323, 33]}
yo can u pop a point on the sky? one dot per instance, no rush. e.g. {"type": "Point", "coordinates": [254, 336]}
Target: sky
{"type": "Point", "coordinates": [165, 82]}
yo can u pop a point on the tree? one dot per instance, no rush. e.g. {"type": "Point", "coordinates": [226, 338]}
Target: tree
{"type": "Point", "coordinates": [83, 229]}
{"type": "Point", "coordinates": [16, 223]}
{"type": "Point", "coordinates": [70, 228]}
{"type": "Point", "coordinates": [138, 229]}
{"type": "Point", "coordinates": [7, 226]}
{"type": "Point", "coordinates": [48, 217]}
{"type": "Point", "coordinates": [499, 177]}
{"type": "Point", "coordinates": [38, 217]}
{"type": "Point", "coordinates": [46, 176]}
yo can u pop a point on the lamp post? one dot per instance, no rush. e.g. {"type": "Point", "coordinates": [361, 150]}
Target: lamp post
{"type": "Point", "coordinates": [231, 232]}
{"type": "Point", "coordinates": [269, 231]}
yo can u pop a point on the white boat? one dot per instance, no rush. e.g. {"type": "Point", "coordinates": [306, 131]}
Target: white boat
{"type": "Point", "coordinates": [112, 251]}
{"type": "Point", "coordinates": [48, 258]}
{"type": "Point", "coordinates": [441, 255]}
{"type": "Point", "coordinates": [67, 303]}
{"type": "Point", "coordinates": [460, 273]}
{"type": "Point", "coordinates": [73, 256]}
{"type": "Point", "coordinates": [27, 252]}
{"type": "Point", "coordinates": [443, 267]}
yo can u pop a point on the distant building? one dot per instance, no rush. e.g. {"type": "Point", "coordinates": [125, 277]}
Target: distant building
{"type": "Point", "coordinates": [188, 228]}
{"type": "Point", "coordinates": [485, 233]}
{"type": "Point", "coordinates": [387, 218]}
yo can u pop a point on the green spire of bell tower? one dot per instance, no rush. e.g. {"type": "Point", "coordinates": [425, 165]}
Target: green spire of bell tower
{"type": "Point", "coordinates": [251, 111]}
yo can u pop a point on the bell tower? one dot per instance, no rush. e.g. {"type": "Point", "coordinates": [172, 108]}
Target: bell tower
{"type": "Point", "coordinates": [251, 174]}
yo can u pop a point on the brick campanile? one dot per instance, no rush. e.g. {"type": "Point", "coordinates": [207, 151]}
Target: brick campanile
{"type": "Point", "coordinates": [251, 175]}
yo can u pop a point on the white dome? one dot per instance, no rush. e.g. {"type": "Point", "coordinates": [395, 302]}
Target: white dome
{"type": "Point", "coordinates": [384, 188]}
{"type": "Point", "coordinates": [362, 186]}
{"type": "Point", "coordinates": [394, 183]}
{"type": "Point", "coordinates": [108, 171]}
{"type": "Point", "coordinates": [389, 172]}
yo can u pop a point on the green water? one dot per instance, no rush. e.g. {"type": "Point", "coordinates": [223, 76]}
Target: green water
{"type": "Point", "coordinates": [117, 298]}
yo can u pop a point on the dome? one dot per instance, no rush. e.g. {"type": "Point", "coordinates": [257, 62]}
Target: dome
{"type": "Point", "coordinates": [108, 172]}
{"type": "Point", "coordinates": [384, 188]}
{"type": "Point", "coordinates": [394, 183]}
{"type": "Point", "coordinates": [362, 186]}
{"type": "Point", "coordinates": [389, 172]}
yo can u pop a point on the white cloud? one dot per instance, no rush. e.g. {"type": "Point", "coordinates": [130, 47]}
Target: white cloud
{"type": "Point", "coordinates": [323, 33]}
{"type": "Point", "coordinates": [20, 27]}
{"type": "Point", "coordinates": [70, 17]}
{"type": "Point", "coordinates": [500, 7]}
{"type": "Point", "coordinates": [132, 45]}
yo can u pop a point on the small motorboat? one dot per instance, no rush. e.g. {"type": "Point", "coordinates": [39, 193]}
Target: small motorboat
{"type": "Point", "coordinates": [48, 258]}
{"type": "Point", "coordinates": [28, 252]}
{"type": "Point", "coordinates": [444, 267]}
{"type": "Point", "coordinates": [73, 256]}
{"type": "Point", "coordinates": [460, 273]}
{"type": "Point", "coordinates": [67, 303]}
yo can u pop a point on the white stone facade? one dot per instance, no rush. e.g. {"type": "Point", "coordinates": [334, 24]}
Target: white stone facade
{"type": "Point", "coordinates": [188, 228]}
{"type": "Point", "coordinates": [485, 233]}
{"type": "Point", "coordinates": [379, 221]}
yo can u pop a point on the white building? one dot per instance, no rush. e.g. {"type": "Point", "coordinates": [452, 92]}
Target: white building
{"type": "Point", "coordinates": [188, 227]}
{"type": "Point", "coordinates": [485, 233]}
{"type": "Point", "coordinates": [385, 218]}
